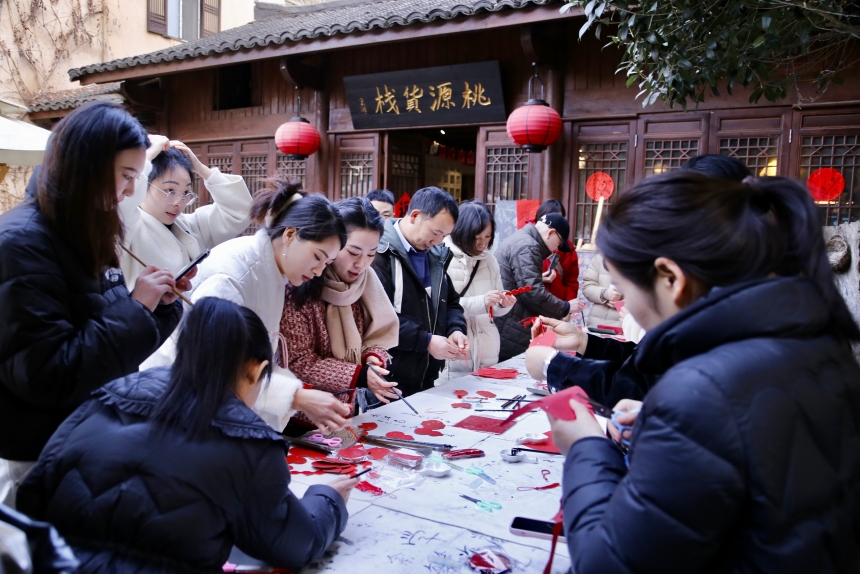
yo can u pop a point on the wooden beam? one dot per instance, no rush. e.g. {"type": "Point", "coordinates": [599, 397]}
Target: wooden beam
{"type": "Point", "coordinates": [485, 21]}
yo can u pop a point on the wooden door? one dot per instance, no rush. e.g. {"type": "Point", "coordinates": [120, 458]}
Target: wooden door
{"type": "Point", "coordinates": [667, 141]}
{"type": "Point", "coordinates": [356, 169]}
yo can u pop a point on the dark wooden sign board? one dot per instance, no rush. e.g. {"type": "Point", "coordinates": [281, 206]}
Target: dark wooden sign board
{"type": "Point", "coordinates": [446, 95]}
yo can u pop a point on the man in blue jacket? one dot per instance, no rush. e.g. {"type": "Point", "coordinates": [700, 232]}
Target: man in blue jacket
{"type": "Point", "coordinates": [413, 269]}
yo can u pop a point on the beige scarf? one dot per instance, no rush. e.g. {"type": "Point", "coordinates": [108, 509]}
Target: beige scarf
{"type": "Point", "coordinates": [381, 326]}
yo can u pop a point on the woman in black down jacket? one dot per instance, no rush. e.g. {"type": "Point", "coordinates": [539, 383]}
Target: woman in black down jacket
{"type": "Point", "coordinates": [68, 325]}
{"type": "Point", "coordinates": [165, 470]}
{"type": "Point", "coordinates": [745, 456]}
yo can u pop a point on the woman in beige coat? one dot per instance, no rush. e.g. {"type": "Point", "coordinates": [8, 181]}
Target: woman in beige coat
{"type": "Point", "coordinates": [157, 229]}
{"type": "Point", "coordinates": [597, 287]}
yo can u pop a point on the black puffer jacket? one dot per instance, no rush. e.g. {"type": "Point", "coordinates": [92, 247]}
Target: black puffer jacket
{"type": "Point", "coordinates": [746, 455]}
{"type": "Point", "coordinates": [438, 314]}
{"type": "Point", "coordinates": [130, 496]}
{"type": "Point", "coordinates": [63, 333]}
{"type": "Point", "coordinates": [520, 259]}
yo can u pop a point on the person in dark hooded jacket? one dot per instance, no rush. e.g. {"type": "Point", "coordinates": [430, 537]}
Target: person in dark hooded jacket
{"type": "Point", "coordinates": [745, 455]}
{"type": "Point", "coordinates": [166, 470]}
{"type": "Point", "coordinates": [68, 323]}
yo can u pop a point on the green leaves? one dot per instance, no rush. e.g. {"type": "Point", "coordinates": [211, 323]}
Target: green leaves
{"type": "Point", "coordinates": [679, 49]}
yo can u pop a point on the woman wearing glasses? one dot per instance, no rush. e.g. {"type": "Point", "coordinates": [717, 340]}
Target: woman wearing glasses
{"type": "Point", "coordinates": [158, 231]}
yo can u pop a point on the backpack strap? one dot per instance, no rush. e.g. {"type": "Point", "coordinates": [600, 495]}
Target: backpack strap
{"type": "Point", "coordinates": [471, 277]}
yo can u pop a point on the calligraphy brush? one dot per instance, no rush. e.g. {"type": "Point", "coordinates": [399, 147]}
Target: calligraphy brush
{"type": "Point", "coordinates": [139, 260]}
{"type": "Point", "coordinates": [396, 391]}
{"type": "Point", "coordinates": [509, 402]}
{"type": "Point", "coordinates": [365, 471]}
{"type": "Point", "coordinates": [518, 400]}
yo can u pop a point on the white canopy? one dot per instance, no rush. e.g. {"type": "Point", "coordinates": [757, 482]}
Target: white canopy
{"type": "Point", "coordinates": [21, 143]}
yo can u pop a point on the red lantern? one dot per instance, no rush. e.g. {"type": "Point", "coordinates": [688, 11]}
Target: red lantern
{"type": "Point", "coordinates": [534, 126]}
{"type": "Point", "coordinates": [297, 138]}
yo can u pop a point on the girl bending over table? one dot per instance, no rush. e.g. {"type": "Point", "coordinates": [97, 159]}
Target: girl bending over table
{"type": "Point", "coordinates": [167, 469]}
{"type": "Point", "coordinates": [744, 456]}
{"type": "Point", "coordinates": [338, 325]}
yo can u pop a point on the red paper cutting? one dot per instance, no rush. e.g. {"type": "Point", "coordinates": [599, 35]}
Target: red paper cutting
{"type": "Point", "coordinates": [548, 446]}
{"type": "Point", "coordinates": [399, 435]}
{"type": "Point", "coordinates": [365, 486]}
{"type": "Point", "coordinates": [493, 373]}
{"type": "Point", "coordinates": [402, 205]}
{"type": "Point", "coordinates": [297, 451]}
{"type": "Point", "coordinates": [545, 340]}
{"type": "Point", "coordinates": [527, 322]}
{"type": "Point", "coordinates": [378, 453]}
{"type": "Point", "coordinates": [296, 459]}
{"type": "Point", "coordinates": [557, 405]}
{"type": "Point", "coordinates": [460, 394]}
{"type": "Point", "coordinates": [427, 432]}
{"type": "Point", "coordinates": [368, 426]}
{"type": "Point", "coordinates": [599, 185]}
{"type": "Point", "coordinates": [430, 428]}
{"type": "Point", "coordinates": [352, 454]}
{"type": "Point", "coordinates": [526, 211]}
{"type": "Point", "coordinates": [461, 405]}
{"type": "Point", "coordinates": [484, 424]}
{"type": "Point", "coordinates": [307, 472]}
{"type": "Point", "coordinates": [486, 394]}
{"type": "Point", "coordinates": [825, 184]}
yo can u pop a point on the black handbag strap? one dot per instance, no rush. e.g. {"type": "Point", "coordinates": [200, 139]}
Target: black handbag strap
{"type": "Point", "coordinates": [471, 277]}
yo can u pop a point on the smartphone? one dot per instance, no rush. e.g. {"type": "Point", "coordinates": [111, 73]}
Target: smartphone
{"type": "Point", "coordinates": [534, 529]}
{"type": "Point", "coordinates": [191, 265]}
{"type": "Point", "coordinates": [553, 261]}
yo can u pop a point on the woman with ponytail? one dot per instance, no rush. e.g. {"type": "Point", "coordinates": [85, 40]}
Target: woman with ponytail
{"type": "Point", "coordinates": [745, 455]}
{"type": "Point", "coordinates": [167, 469]}
{"type": "Point", "coordinates": [301, 234]}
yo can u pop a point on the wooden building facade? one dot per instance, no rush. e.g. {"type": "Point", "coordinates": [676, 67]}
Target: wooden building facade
{"type": "Point", "coordinates": [227, 103]}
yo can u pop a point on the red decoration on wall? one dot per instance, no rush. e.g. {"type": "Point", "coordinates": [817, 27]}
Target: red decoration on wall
{"type": "Point", "coordinates": [825, 184]}
{"type": "Point", "coordinates": [534, 126]}
{"type": "Point", "coordinates": [402, 205]}
{"type": "Point", "coordinates": [297, 139]}
{"type": "Point", "coordinates": [599, 185]}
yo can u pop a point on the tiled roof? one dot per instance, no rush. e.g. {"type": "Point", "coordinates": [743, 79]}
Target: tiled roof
{"type": "Point", "coordinates": [67, 99]}
{"type": "Point", "coordinates": [308, 22]}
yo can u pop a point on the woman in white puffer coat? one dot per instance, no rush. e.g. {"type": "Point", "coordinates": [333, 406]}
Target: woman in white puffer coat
{"type": "Point", "coordinates": [475, 274]}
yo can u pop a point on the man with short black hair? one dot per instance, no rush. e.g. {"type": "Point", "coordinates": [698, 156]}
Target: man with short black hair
{"type": "Point", "coordinates": [413, 267]}
{"type": "Point", "coordinates": [520, 259]}
{"type": "Point", "coordinates": [382, 201]}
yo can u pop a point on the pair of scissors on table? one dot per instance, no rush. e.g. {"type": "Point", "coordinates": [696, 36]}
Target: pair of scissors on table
{"type": "Point", "coordinates": [482, 504]}
{"type": "Point", "coordinates": [479, 472]}
{"type": "Point", "coordinates": [332, 442]}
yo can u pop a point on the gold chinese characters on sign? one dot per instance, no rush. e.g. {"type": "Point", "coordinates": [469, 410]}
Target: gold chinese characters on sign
{"type": "Point", "coordinates": [441, 96]}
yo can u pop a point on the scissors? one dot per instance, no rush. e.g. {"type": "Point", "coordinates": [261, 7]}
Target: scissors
{"type": "Point", "coordinates": [479, 472]}
{"type": "Point", "coordinates": [612, 416]}
{"type": "Point", "coordinates": [332, 442]}
{"type": "Point", "coordinates": [483, 505]}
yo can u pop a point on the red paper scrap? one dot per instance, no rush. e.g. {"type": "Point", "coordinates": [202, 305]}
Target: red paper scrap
{"type": "Point", "coordinates": [296, 459]}
{"type": "Point", "coordinates": [368, 426]}
{"type": "Point", "coordinates": [545, 340]}
{"type": "Point", "coordinates": [484, 424]}
{"type": "Point", "coordinates": [399, 435]}
{"type": "Point", "coordinates": [558, 405]}
{"type": "Point", "coordinates": [352, 454]}
{"type": "Point", "coordinates": [493, 373]}
{"type": "Point", "coordinates": [427, 432]}
{"type": "Point", "coordinates": [486, 394]}
{"type": "Point", "coordinates": [460, 394]}
{"type": "Point", "coordinates": [462, 405]}
{"type": "Point", "coordinates": [378, 453]}
{"type": "Point", "coordinates": [433, 424]}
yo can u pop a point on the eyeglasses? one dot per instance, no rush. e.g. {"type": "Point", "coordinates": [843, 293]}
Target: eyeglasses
{"type": "Point", "coordinates": [186, 198]}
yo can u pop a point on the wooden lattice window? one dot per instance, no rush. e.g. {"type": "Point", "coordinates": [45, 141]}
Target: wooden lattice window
{"type": "Point", "coordinates": [292, 168]}
{"type": "Point", "coordinates": [664, 155]}
{"type": "Point", "coordinates": [842, 153]}
{"type": "Point", "coordinates": [760, 155]}
{"type": "Point", "coordinates": [405, 173]}
{"type": "Point", "coordinates": [210, 17]}
{"type": "Point", "coordinates": [156, 20]}
{"type": "Point", "coordinates": [356, 174]}
{"type": "Point", "coordinates": [255, 170]}
{"type": "Point", "coordinates": [507, 174]}
{"type": "Point", "coordinates": [609, 158]}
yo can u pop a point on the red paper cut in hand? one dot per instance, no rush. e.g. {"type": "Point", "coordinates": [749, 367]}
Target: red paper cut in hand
{"type": "Point", "coordinates": [460, 394]}
{"type": "Point", "coordinates": [619, 305]}
{"type": "Point", "coordinates": [557, 405]}
{"type": "Point", "coordinates": [544, 340]}
{"type": "Point", "coordinates": [486, 394]}
{"type": "Point", "coordinates": [462, 405]}
{"type": "Point", "coordinates": [519, 291]}
{"type": "Point", "coordinates": [484, 424]}
{"type": "Point", "coordinates": [493, 373]}
{"type": "Point", "coordinates": [527, 322]}
{"type": "Point", "coordinates": [399, 435]}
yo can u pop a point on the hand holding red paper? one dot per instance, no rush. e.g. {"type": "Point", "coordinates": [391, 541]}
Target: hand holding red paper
{"type": "Point", "coordinates": [568, 336]}
{"type": "Point", "coordinates": [460, 340]}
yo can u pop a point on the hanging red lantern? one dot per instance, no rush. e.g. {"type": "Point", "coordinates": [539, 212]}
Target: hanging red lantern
{"type": "Point", "coordinates": [534, 126]}
{"type": "Point", "coordinates": [297, 138]}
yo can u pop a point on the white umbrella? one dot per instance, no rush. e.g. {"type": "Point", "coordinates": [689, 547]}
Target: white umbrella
{"type": "Point", "coordinates": [21, 143]}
